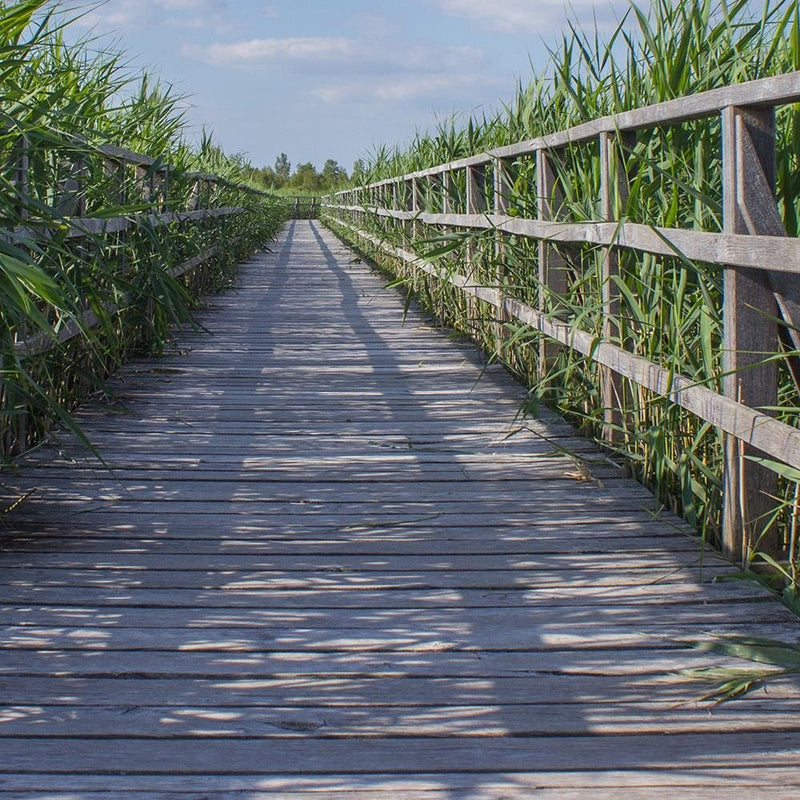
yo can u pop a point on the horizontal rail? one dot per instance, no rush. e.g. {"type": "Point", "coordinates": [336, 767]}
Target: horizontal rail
{"type": "Point", "coordinates": [775, 91]}
{"type": "Point", "coordinates": [758, 261]}
{"type": "Point", "coordinates": [43, 341]}
{"type": "Point", "coordinates": [775, 438]}
{"type": "Point", "coordinates": [78, 227]}
{"type": "Point", "coordinates": [767, 253]}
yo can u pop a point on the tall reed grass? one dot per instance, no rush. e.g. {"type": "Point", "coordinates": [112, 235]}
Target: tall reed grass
{"type": "Point", "coordinates": [59, 104]}
{"type": "Point", "coordinates": [670, 309]}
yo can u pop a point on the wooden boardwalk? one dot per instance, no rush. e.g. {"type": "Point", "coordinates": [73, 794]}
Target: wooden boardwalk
{"type": "Point", "coordinates": [331, 561]}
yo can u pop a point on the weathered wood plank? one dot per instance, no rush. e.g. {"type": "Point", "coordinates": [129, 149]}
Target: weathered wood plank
{"type": "Point", "coordinates": [308, 756]}
{"type": "Point", "coordinates": [333, 571]}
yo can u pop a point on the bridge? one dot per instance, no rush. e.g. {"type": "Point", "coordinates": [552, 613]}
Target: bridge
{"type": "Point", "coordinates": [319, 548]}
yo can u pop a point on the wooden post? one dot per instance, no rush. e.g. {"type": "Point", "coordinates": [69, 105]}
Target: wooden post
{"type": "Point", "coordinates": [552, 265]}
{"type": "Point", "coordinates": [21, 177]}
{"type": "Point", "coordinates": [143, 184]}
{"type": "Point", "coordinates": [476, 204]}
{"type": "Point", "coordinates": [447, 182]}
{"type": "Point", "coordinates": [502, 181]}
{"type": "Point", "coordinates": [614, 191]}
{"type": "Point", "coordinates": [749, 334]}
{"type": "Point", "coordinates": [414, 208]}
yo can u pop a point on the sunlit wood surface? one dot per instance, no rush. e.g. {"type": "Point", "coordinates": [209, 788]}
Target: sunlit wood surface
{"type": "Point", "coordinates": [326, 556]}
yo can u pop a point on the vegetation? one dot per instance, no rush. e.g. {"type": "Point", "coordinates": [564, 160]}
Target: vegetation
{"type": "Point", "coordinates": [60, 106]}
{"type": "Point", "coordinates": [305, 179]}
{"type": "Point", "coordinates": [670, 310]}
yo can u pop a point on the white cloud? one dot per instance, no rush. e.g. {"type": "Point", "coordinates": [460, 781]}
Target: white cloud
{"type": "Point", "coordinates": [261, 50]}
{"type": "Point", "coordinates": [119, 14]}
{"type": "Point", "coordinates": [437, 85]}
{"type": "Point", "coordinates": [530, 16]}
{"type": "Point", "coordinates": [348, 54]}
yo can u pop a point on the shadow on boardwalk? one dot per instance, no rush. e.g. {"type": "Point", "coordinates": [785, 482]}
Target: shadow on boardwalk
{"type": "Point", "coordinates": [322, 566]}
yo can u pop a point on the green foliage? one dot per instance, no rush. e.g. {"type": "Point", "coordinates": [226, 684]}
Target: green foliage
{"type": "Point", "coordinates": [58, 105]}
{"type": "Point", "coordinates": [670, 307]}
{"type": "Point", "coordinates": [780, 659]}
{"type": "Point", "coordinates": [304, 180]}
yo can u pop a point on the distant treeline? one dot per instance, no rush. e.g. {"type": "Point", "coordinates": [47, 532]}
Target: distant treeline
{"type": "Point", "coordinates": [305, 177]}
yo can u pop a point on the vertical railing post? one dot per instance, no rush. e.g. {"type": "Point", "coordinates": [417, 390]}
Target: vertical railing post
{"type": "Point", "coordinates": [614, 191]}
{"type": "Point", "coordinates": [21, 176]}
{"type": "Point", "coordinates": [414, 208]}
{"type": "Point", "coordinates": [476, 190]}
{"type": "Point", "coordinates": [447, 184]}
{"type": "Point", "coordinates": [750, 334]}
{"type": "Point", "coordinates": [501, 200]}
{"type": "Point", "coordinates": [12, 401]}
{"type": "Point", "coordinates": [552, 265]}
{"type": "Point", "coordinates": [475, 202]}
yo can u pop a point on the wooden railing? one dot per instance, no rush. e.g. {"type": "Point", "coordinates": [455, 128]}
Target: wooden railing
{"type": "Point", "coordinates": [105, 231]}
{"type": "Point", "coordinates": [302, 207]}
{"type": "Point", "coordinates": [761, 266]}
{"type": "Point", "coordinates": [149, 187]}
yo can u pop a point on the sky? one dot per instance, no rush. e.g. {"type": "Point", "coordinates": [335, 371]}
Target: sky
{"type": "Point", "coordinates": [320, 79]}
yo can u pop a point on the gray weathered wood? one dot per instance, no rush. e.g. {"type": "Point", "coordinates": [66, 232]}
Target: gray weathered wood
{"type": "Point", "coordinates": [759, 252]}
{"type": "Point", "coordinates": [751, 426]}
{"type": "Point", "coordinates": [750, 335]}
{"type": "Point", "coordinates": [332, 561]}
{"type": "Point", "coordinates": [774, 91]}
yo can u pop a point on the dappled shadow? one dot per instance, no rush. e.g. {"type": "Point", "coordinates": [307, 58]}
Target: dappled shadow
{"type": "Point", "coordinates": [322, 564]}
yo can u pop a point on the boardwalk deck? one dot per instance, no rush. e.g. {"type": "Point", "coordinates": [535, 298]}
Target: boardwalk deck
{"type": "Point", "coordinates": [321, 566]}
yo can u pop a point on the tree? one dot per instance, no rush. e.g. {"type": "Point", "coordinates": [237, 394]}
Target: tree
{"type": "Point", "coordinates": [332, 174]}
{"type": "Point", "coordinates": [305, 178]}
{"type": "Point", "coordinates": [359, 174]}
{"type": "Point", "coordinates": [283, 169]}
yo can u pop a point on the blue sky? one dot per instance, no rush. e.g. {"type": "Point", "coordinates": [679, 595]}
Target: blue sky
{"type": "Point", "coordinates": [321, 79]}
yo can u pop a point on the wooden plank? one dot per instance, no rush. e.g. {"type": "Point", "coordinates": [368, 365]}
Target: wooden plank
{"type": "Point", "coordinates": [427, 586]}
{"type": "Point", "coordinates": [106, 596]}
{"type": "Point", "coordinates": [259, 639]}
{"type": "Point", "coordinates": [644, 668]}
{"type": "Point", "coordinates": [730, 783]}
{"type": "Point", "coordinates": [748, 425]}
{"type": "Point", "coordinates": [308, 756]}
{"type": "Point", "coordinates": [198, 721]}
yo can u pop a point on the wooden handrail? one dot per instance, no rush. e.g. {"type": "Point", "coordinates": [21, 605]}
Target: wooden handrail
{"type": "Point", "coordinates": [766, 92]}
{"type": "Point", "coordinates": [759, 263]}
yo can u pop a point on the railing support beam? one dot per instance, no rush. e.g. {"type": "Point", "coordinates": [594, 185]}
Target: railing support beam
{"type": "Point", "coordinates": [750, 334]}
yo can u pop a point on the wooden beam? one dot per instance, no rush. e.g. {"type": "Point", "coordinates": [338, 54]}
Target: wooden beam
{"type": "Point", "coordinates": [753, 427]}
{"type": "Point", "coordinates": [774, 91]}
{"type": "Point", "coordinates": [614, 191]}
{"type": "Point", "coordinates": [502, 182]}
{"type": "Point", "coordinates": [552, 283]}
{"type": "Point", "coordinates": [750, 335]}
{"type": "Point", "coordinates": [762, 253]}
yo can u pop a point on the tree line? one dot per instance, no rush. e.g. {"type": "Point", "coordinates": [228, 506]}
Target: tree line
{"type": "Point", "coordinates": [305, 178]}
